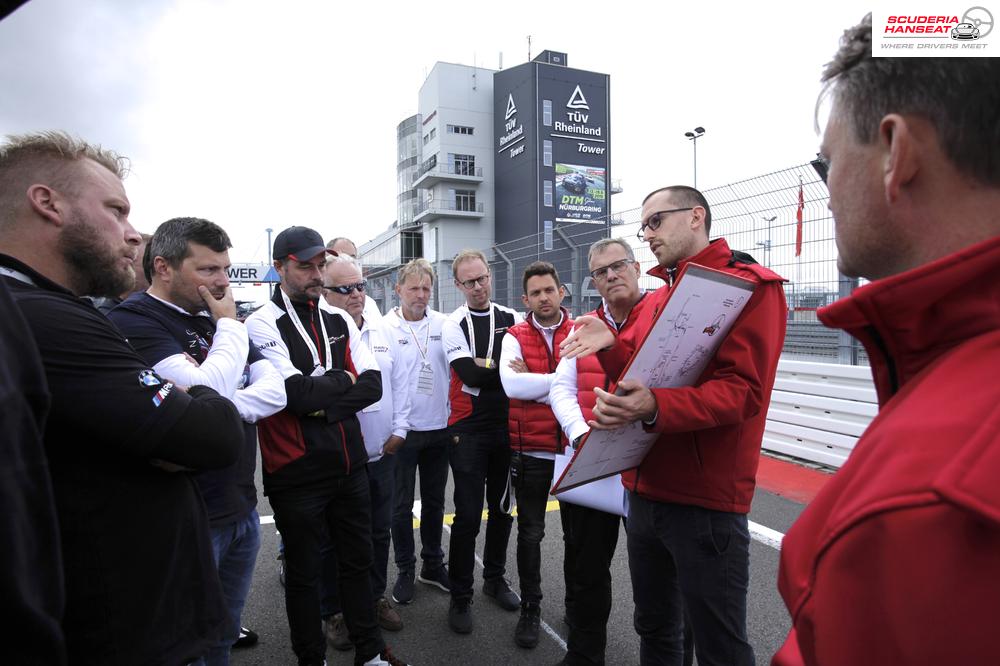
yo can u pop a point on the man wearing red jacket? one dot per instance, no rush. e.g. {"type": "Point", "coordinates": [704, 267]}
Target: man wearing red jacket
{"type": "Point", "coordinates": [688, 538]}
{"type": "Point", "coordinates": [528, 358]}
{"type": "Point", "coordinates": [895, 561]}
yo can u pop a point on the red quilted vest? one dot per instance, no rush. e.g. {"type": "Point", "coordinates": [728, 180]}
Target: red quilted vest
{"type": "Point", "coordinates": [589, 373]}
{"type": "Point", "coordinates": [533, 426]}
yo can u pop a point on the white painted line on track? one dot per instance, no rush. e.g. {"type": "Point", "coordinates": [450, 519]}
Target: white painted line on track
{"type": "Point", "coordinates": [758, 532]}
{"type": "Point", "coordinates": [543, 624]}
{"type": "Point", "coordinates": [766, 535]}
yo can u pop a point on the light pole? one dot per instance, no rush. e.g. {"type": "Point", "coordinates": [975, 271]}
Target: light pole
{"type": "Point", "coordinates": [693, 137]}
{"type": "Point", "coordinates": [766, 243]}
{"type": "Point", "coordinates": [270, 285]}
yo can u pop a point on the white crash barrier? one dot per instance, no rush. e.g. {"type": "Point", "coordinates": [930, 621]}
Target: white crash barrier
{"type": "Point", "coordinates": [818, 410]}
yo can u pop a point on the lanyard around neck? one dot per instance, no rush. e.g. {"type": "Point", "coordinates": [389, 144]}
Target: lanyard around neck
{"type": "Point", "coordinates": [297, 323]}
{"type": "Point", "coordinates": [427, 336]}
{"type": "Point", "coordinates": [472, 332]}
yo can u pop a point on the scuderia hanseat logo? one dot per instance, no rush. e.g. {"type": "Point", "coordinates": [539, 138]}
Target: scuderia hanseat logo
{"type": "Point", "coordinates": [932, 32]}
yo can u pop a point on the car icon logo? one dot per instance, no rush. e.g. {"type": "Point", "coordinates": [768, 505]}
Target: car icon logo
{"type": "Point", "coordinates": [965, 31]}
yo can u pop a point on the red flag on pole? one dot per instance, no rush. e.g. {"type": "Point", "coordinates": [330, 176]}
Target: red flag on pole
{"type": "Point", "coordinates": [798, 223]}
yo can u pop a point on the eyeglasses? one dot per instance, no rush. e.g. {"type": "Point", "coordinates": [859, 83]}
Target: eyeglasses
{"type": "Point", "coordinates": [471, 284]}
{"type": "Point", "coordinates": [617, 267]}
{"type": "Point", "coordinates": [653, 221]}
{"type": "Point", "coordinates": [348, 288]}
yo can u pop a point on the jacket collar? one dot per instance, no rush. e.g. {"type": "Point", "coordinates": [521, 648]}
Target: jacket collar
{"type": "Point", "coordinates": [909, 320]}
{"type": "Point", "coordinates": [564, 323]}
{"type": "Point", "coordinates": [717, 254]}
{"type": "Point", "coordinates": [36, 278]}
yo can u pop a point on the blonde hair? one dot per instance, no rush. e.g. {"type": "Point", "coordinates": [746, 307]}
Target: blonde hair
{"type": "Point", "coordinates": [416, 267]}
{"type": "Point", "coordinates": [47, 158]}
{"type": "Point", "coordinates": [468, 255]}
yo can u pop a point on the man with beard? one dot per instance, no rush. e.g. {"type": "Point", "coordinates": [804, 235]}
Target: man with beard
{"type": "Point", "coordinates": [700, 473]}
{"type": "Point", "coordinates": [141, 586]}
{"type": "Point", "coordinates": [528, 359]}
{"type": "Point", "coordinates": [313, 453]}
{"type": "Point", "coordinates": [107, 303]}
{"type": "Point", "coordinates": [185, 326]}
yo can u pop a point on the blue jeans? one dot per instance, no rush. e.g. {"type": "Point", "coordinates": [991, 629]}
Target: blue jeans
{"type": "Point", "coordinates": [235, 548]}
{"type": "Point", "coordinates": [381, 479]}
{"type": "Point", "coordinates": [689, 564]}
{"type": "Point", "coordinates": [339, 510]}
{"type": "Point", "coordinates": [427, 450]}
{"type": "Point", "coordinates": [479, 461]}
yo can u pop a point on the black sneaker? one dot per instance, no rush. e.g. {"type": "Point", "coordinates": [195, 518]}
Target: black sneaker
{"type": "Point", "coordinates": [247, 638]}
{"type": "Point", "coordinates": [460, 616]}
{"type": "Point", "coordinates": [436, 577]}
{"type": "Point", "coordinates": [526, 633]}
{"type": "Point", "coordinates": [499, 590]}
{"type": "Point", "coordinates": [402, 591]}
{"type": "Point", "coordinates": [281, 569]}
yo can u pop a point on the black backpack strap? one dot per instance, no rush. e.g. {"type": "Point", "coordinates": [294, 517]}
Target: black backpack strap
{"type": "Point", "coordinates": [741, 258]}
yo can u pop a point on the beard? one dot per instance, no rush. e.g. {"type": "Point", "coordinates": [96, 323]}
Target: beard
{"type": "Point", "coordinates": [96, 269]}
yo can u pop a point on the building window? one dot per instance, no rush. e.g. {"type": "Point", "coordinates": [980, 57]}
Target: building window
{"type": "Point", "coordinates": [547, 153]}
{"type": "Point", "coordinates": [547, 192]}
{"type": "Point", "coordinates": [460, 129]}
{"type": "Point", "coordinates": [427, 137]}
{"type": "Point", "coordinates": [433, 132]}
{"type": "Point", "coordinates": [547, 112]}
{"type": "Point", "coordinates": [465, 165]}
{"type": "Point", "coordinates": [465, 200]}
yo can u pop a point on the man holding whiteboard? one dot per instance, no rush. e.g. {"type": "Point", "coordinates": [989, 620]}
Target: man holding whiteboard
{"type": "Point", "coordinates": [688, 537]}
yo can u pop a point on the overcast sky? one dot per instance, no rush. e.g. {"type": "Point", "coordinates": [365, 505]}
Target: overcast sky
{"type": "Point", "coordinates": [257, 114]}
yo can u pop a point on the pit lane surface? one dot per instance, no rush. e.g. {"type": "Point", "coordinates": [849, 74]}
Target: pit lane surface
{"type": "Point", "coordinates": [426, 639]}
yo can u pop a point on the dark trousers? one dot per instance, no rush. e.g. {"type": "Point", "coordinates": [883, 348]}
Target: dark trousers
{"type": "Point", "coordinates": [381, 480]}
{"type": "Point", "coordinates": [340, 508]}
{"type": "Point", "coordinates": [428, 451]}
{"type": "Point", "coordinates": [687, 561]}
{"type": "Point", "coordinates": [590, 538]}
{"type": "Point", "coordinates": [479, 461]}
{"type": "Point", "coordinates": [532, 478]}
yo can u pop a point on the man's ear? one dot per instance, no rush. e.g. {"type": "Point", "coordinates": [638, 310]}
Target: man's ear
{"type": "Point", "coordinates": [160, 267]}
{"type": "Point", "coordinates": [697, 218]}
{"type": "Point", "coordinates": [524, 299]}
{"type": "Point", "coordinates": [900, 153]}
{"type": "Point", "coordinates": [47, 203]}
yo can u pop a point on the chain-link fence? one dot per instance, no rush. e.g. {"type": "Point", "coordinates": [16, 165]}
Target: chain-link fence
{"type": "Point", "coordinates": [758, 216]}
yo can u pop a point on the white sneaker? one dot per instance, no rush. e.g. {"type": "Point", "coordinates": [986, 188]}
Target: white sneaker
{"type": "Point", "coordinates": [387, 658]}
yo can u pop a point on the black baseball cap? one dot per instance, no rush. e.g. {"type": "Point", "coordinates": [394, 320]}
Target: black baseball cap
{"type": "Point", "coordinates": [299, 243]}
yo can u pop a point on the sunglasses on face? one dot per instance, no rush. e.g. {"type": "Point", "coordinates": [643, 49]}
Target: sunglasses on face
{"type": "Point", "coordinates": [348, 288]}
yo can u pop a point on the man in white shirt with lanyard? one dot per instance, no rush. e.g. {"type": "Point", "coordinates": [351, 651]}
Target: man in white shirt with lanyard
{"type": "Point", "coordinates": [480, 449]}
{"type": "Point", "coordinates": [383, 425]}
{"type": "Point", "coordinates": [528, 358]}
{"type": "Point", "coordinates": [416, 330]}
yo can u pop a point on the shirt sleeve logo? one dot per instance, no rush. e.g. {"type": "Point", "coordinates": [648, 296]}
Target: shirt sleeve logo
{"type": "Point", "coordinates": [149, 378]}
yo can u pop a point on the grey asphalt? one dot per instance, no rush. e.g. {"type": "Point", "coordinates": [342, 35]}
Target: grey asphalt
{"type": "Point", "coordinates": [426, 640]}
